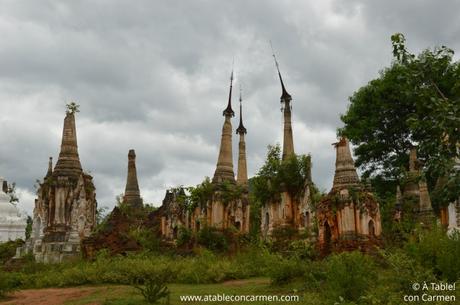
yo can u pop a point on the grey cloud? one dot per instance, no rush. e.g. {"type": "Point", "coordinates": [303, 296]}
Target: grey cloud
{"type": "Point", "coordinates": [154, 76]}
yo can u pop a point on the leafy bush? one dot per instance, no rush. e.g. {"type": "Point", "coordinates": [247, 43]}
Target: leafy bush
{"type": "Point", "coordinates": [403, 271]}
{"type": "Point", "coordinates": [213, 239]}
{"type": "Point", "coordinates": [437, 250]}
{"type": "Point", "coordinates": [277, 175]}
{"type": "Point", "coordinates": [184, 236]}
{"type": "Point", "coordinates": [153, 287]}
{"type": "Point", "coordinates": [286, 270]}
{"type": "Point", "coordinates": [281, 238]}
{"type": "Point", "coordinates": [8, 283]}
{"type": "Point", "coordinates": [349, 275]}
{"type": "Point", "coordinates": [303, 249]}
{"type": "Point", "coordinates": [8, 249]}
{"type": "Point", "coordinates": [146, 238]}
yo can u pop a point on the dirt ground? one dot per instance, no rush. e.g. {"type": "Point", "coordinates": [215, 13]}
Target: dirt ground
{"type": "Point", "coordinates": [50, 296]}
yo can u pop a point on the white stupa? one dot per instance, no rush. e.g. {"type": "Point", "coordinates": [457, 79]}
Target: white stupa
{"type": "Point", "coordinates": [12, 224]}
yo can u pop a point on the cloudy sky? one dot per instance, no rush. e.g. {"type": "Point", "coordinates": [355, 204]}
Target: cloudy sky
{"type": "Point", "coordinates": [154, 76]}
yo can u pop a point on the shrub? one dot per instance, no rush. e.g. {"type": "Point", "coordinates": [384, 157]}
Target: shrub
{"type": "Point", "coordinates": [448, 262]}
{"type": "Point", "coordinates": [349, 275]}
{"type": "Point", "coordinates": [255, 261]}
{"type": "Point", "coordinates": [213, 239]}
{"type": "Point", "coordinates": [8, 250]}
{"type": "Point", "coordinates": [146, 238]}
{"type": "Point", "coordinates": [303, 249]}
{"type": "Point", "coordinates": [403, 271]}
{"type": "Point", "coordinates": [286, 270]}
{"type": "Point", "coordinates": [153, 287]}
{"type": "Point", "coordinates": [281, 238]}
{"type": "Point", "coordinates": [184, 237]}
{"type": "Point", "coordinates": [437, 250]}
{"type": "Point", "coordinates": [8, 283]}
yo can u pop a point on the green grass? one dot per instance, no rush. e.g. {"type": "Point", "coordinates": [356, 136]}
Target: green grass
{"type": "Point", "coordinates": [125, 295]}
{"type": "Point", "coordinates": [346, 278]}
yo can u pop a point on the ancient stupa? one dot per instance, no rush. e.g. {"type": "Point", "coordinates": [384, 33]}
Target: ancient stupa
{"type": "Point", "coordinates": [349, 216]}
{"type": "Point", "coordinates": [65, 209]}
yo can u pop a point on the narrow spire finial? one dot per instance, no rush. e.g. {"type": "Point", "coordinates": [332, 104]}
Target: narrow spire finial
{"type": "Point", "coordinates": [285, 95]}
{"type": "Point", "coordinates": [229, 111]}
{"type": "Point", "coordinates": [241, 129]}
{"type": "Point", "coordinates": [50, 167]}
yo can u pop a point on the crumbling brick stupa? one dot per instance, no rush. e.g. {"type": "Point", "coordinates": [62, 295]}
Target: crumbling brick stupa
{"type": "Point", "coordinates": [288, 211]}
{"type": "Point", "coordinates": [114, 234]}
{"type": "Point", "coordinates": [417, 188]}
{"type": "Point", "coordinates": [65, 208]}
{"type": "Point", "coordinates": [349, 216]}
{"type": "Point", "coordinates": [215, 212]}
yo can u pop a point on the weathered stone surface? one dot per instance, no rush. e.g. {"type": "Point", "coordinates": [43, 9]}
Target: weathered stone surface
{"type": "Point", "coordinates": [242, 175]}
{"type": "Point", "coordinates": [132, 194]}
{"type": "Point", "coordinates": [65, 209]}
{"type": "Point", "coordinates": [349, 216]}
{"type": "Point", "coordinates": [224, 169]}
{"type": "Point", "coordinates": [68, 163]}
{"type": "Point", "coordinates": [290, 210]}
{"type": "Point", "coordinates": [345, 172]}
{"type": "Point", "coordinates": [114, 236]}
{"type": "Point", "coordinates": [416, 190]}
{"type": "Point", "coordinates": [295, 212]}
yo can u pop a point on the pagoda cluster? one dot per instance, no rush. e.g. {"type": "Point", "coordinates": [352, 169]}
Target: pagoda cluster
{"type": "Point", "coordinates": [348, 217]}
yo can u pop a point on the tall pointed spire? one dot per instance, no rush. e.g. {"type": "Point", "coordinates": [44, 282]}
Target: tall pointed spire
{"type": "Point", "coordinates": [132, 194]}
{"type": "Point", "coordinates": [50, 168]}
{"type": "Point", "coordinates": [229, 111]}
{"type": "Point", "coordinates": [345, 171]}
{"type": "Point", "coordinates": [288, 139]}
{"type": "Point", "coordinates": [241, 128]}
{"type": "Point", "coordinates": [242, 176]}
{"type": "Point", "coordinates": [224, 168]}
{"type": "Point", "coordinates": [68, 163]}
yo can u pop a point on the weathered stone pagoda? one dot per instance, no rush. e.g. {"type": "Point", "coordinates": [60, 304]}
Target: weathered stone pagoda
{"type": "Point", "coordinates": [65, 209]}
{"type": "Point", "coordinates": [415, 191]}
{"type": "Point", "coordinates": [289, 210]}
{"type": "Point", "coordinates": [115, 234]}
{"type": "Point", "coordinates": [132, 195]}
{"type": "Point", "coordinates": [349, 216]}
{"type": "Point", "coordinates": [242, 174]}
{"type": "Point", "coordinates": [215, 212]}
{"type": "Point", "coordinates": [224, 169]}
{"type": "Point", "coordinates": [240, 209]}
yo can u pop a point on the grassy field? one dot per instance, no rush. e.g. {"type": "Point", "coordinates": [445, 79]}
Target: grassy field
{"type": "Point", "coordinates": [384, 276]}
{"type": "Point", "coordinates": [126, 295]}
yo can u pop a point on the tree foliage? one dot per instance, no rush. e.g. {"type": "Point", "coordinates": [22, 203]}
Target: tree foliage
{"type": "Point", "coordinates": [414, 102]}
{"type": "Point", "coordinates": [292, 175]}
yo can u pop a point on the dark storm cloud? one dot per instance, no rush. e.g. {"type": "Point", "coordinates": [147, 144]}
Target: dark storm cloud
{"type": "Point", "coordinates": [154, 76]}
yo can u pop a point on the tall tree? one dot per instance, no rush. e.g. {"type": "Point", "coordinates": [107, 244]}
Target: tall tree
{"type": "Point", "coordinates": [414, 102]}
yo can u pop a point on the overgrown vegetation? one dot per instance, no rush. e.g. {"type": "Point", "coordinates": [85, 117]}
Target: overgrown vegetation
{"type": "Point", "coordinates": [349, 278]}
{"type": "Point", "coordinates": [415, 101]}
{"type": "Point", "coordinates": [8, 250]}
{"type": "Point", "coordinates": [153, 286]}
{"type": "Point", "coordinates": [292, 175]}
